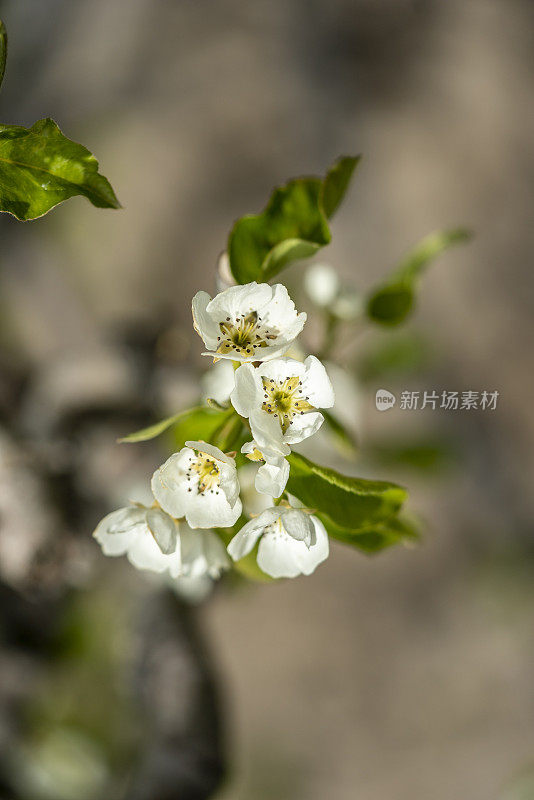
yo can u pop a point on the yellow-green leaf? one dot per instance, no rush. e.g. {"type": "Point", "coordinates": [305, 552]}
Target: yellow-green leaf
{"type": "Point", "coordinates": [393, 302]}
{"type": "Point", "coordinates": [294, 225]}
{"type": "Point", "coordinates": [348, 502]}
{"type": "Point", "coordinates": [199, 424]}
{"type": "Point", "coordinates": [40, 167]}
{"type": "Point", "coordinates": [373, 538]}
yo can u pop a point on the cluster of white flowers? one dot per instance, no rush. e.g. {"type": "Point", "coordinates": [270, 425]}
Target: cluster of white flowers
{"type": "Point", "coordinates": [197, 489]}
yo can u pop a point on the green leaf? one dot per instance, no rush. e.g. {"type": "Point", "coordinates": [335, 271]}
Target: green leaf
{"type": "Point", "coordinates": [3, 50]}
{"type": "Point", "coordinates": [294, 225]}
{"type": "Point", "coordinates": [337, 182]}
{"type": "Point", "coordinates": [392, 303]}
{"type": "Point", "coordinates": [373, 538]}
{"type": "Point", "coordinates": [206, 425]}
{"type": "Point", "coordinates": [348, 502]}
{"type": "Point", "coordinates": [40, 167]}
{"type": "Point", "coordinates": [229, 435]}
{"type": "Point", "coordinates": [145, 434]}
{"type": "Point", "coordinates": [198, 424]}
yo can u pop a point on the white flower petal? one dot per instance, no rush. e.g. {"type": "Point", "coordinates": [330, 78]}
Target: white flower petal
{"type": "Point", "coordinates": [280, 313]}
{"type": "Point", "coordinates": [249, 447]}
{"type": "Point", "coordinates": [272, 477]}
{"type": "Point", "coordinates": [215, 553]}
{"type": "Point", "coordinates": [248, 390]}
{"type": "Point", "coordinates": [321, 284]}
{"type": "Point", "coordinates": [164, 530]}
{"type": "Point", "coordinates": [310, 558]}
{"type": "Point", "coordinates": [212, 510]}
{"type": "Point", "coordinates": [174, 563]}
{"type": "Point", "coordinates": [218, 382]}
{"type": "Point", "coordinates": [282, 556]}
{"type": "Point", "coordinates": [131, 536]}
{"type": "Point", "coordinates": [204, 324]}
{"type": "Point", "coordinates": [253, 502]}
{"type": "Point", "coordinates": [211, 450]}
{"type": "Point", "coordinates": [282, 368]}
{"type": "Point", "coordinates": [244, 540]}
{"type": "Point", "coordinates": [192, 553]}
{"type": "Point", "coordinates": [317, 385]}
{"type": "Point", "coordinates": [237, 300]}
{"type": "Point", "coordinates": [278, 555]}
{"type": "Point", "coordinates": [168, 483]}
{"type": "Point", "coordinates": [267, 432]}
{"type": "Point", "coordinates": [302, 426]}
{"type": "Point", "coordinates": [144, 553]}
{"type": "Point", "coordinates": [224, 273]}
{"type": "Point", "coordinates": [203, 553]}
{"type": "Point", "coordinates": [229, 483]}
{"type": "Point", "coordinates": [116, 532]}
{"type": "Point", "coordinates": [298, 524]}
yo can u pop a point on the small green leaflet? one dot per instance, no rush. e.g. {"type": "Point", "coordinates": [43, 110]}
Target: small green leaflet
{"type": "Point", "coordinates": [349, 503]}
{"type": "Point", "coordinates": [392, 302]}
{"type": "Point", "coordinates": [200, 423]}
{"type": "Point", "coordinates": [40, 167]}
{"type": "Point", "coordinates": [294, 225]}
{"type": "Point", "coordinates": [152, 431]}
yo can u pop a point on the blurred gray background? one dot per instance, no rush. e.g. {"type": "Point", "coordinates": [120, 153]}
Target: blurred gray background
{"type": "Point", "coordinates": [405, 676]}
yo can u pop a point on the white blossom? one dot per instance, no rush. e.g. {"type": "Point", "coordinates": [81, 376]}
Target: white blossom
{"type": "Point", "coordinates": [321, 283]}
{"type": "Point", "coordinates": [271, 477]}
{"type": "Point", "coordinates": [200, 486]}
{"type": "Point", "coordinates": [203, 553]}
{"type": "Point", "coordinates": [281, 397]}
{"type": "Point", "coordinates": [254, 322]}
{"type": "Point", "coordinates": [147, 536]}
{"type": "Point", "coordinates": [223, 273]}
{"type": "Point", "coordinates": [348, 306]}
{"type": "Point", "coordinates": [291, 542]}
{"type": "Point", "coordinates": [153, 540]}
{"type": "Point", "coordinates": [218, 382]}
{"type": "Point", "coordinates": [253, 502]}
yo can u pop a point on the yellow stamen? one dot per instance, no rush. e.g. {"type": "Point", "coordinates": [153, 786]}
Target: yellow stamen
{"type": "Point", "coordinates": [243, 335]}
{"type": "Point", "coordinates": [284, 399]}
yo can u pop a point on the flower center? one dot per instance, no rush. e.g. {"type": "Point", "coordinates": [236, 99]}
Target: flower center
{"type": "Point", "coordinates": [276, 529]}
{"type": "Point", "coordinates": [285, 399]}
{"type": "Point", "coordinates": [244, 334]}
{"type": "Point", "coordinates": [203, 474]}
